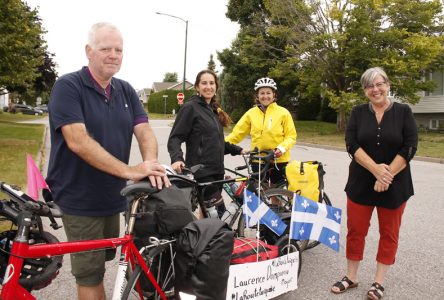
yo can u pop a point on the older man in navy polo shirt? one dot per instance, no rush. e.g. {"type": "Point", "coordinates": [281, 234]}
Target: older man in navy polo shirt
{"type": "Point", "coordinates": [92, 119]}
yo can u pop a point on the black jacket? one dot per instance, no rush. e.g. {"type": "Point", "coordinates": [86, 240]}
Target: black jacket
{"type": "Point", "coordinates": [197, 126]}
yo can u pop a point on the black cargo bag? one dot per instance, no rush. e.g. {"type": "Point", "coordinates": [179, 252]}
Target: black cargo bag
{"type": "Point", "coordinates": [202, 262]}
{"type": "Point", "coordinates": [163, 213]}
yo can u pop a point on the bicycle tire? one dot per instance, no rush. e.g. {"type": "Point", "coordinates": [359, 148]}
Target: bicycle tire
{"type": "Point", "coordinates": [284, 197]}
{"type": "Point", "coordinates": [36, 273]}
{"type": "Point", "coordinates": [240, 230]}
{"type": "Point", "coordinates": [284, 246]}
{"type": "Point", "coordinates": [163, 274]}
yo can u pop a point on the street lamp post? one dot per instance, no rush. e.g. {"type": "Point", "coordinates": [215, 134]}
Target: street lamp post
{"type": "Point", "coordinates": [165, 97]}
{"type": "Point", "coordinates": [186, 38]}
{"type": "Point", "coordinates": [321, 112]}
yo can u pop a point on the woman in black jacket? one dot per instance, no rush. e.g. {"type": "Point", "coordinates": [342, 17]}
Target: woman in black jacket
{"type": "Point", "coordinates": [199, 124]}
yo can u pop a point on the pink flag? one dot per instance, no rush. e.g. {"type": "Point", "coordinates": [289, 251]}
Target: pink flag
{"type": "Point", "coordinates": [34, 178]}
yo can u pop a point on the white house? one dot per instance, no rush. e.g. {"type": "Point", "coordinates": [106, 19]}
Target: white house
{"type": "Point", "coordinates": [144, 94]}
{"type": "Point", "coordinates": [4, 99]}
{"type": "Point", "coordinates": [429, 111]}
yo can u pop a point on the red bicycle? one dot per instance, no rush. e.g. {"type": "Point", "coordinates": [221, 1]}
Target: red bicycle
{"type": "Point", "coordinates": [33, 257]}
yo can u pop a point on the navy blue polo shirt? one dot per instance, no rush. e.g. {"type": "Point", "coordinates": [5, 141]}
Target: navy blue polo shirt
{"type": "Point", "coordinates": [77, 187]}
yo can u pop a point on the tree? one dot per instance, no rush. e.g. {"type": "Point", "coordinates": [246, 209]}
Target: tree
{"type": "Point", "coordinates": [333, 42]}
{"type": "Point", "coordinates": [318, 49]}
{"type": "Point", "coordinates": [47, 75]}
{"type": "Point", "coordinates": [211, 64]}
{"type": "Point", "coordinates": [170, 77]}
{"type": "Point", "coordinates": [246, 60]}
{"type": "Point", "coordinates": [22, 48]}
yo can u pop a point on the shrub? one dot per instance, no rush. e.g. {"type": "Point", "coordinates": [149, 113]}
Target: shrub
{"type": "Point", "coordinates": [156, 102]}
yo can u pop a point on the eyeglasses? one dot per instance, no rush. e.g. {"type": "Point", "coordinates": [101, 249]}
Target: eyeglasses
{"type": "Point", "coordinates": [378, 85]}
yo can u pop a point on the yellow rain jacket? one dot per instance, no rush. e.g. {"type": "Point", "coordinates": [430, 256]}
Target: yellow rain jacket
{"type": "Point", "coordinates": [274, 129]}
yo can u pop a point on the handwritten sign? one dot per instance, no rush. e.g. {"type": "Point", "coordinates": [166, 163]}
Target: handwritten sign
{"type": "Point", "coordinates": [263, 280]}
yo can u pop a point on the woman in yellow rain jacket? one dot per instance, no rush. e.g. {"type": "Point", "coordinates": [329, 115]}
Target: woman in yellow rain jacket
{"type": "Point", "coordinates": [270, 127]}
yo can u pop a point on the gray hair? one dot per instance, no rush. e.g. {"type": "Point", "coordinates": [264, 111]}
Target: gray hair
{"type": "Point", "coordinates": [93, 31]}
{"type": "Point", "coordinates": [369, 76]}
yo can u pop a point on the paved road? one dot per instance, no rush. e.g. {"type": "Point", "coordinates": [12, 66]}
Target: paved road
{"type": "Point", "coordinates": [417, 274]}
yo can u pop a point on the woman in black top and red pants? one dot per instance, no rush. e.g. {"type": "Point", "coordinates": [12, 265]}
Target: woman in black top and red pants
{"type": "Point", "coordinates": [381, 138]}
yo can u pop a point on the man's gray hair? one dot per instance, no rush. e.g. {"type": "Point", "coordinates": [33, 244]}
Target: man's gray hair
{"type": "Point", "coordinates": [369, 76]}
{"type": "Point", "coordinates": [93, 31]}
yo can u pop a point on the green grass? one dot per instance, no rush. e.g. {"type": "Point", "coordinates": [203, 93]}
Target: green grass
{"type": "Point", "coordinates": [154, 116]}
{"type": "Point", "coordinates": [16, 140]}
{"type": "Point", "coordinates": [320, 133]}
{"type": "Point", "coordinates": [430, 144]}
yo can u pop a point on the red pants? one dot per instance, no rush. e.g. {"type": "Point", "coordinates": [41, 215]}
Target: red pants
{"type": "Point", "coordinates": [358, 223]}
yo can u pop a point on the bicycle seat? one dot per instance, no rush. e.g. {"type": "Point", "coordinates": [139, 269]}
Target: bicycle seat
{"type": "Point", "coordinates": [138, 187]}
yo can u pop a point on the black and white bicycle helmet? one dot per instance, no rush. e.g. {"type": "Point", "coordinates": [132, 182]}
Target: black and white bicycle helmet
{"type": "Point", "coordinates": [265, 82]}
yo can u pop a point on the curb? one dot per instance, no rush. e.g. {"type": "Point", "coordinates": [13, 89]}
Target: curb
{"type": "Point", "coordinates": [41, 155]}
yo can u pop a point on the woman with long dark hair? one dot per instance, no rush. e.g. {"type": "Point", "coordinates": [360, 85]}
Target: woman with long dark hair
{"type": "Point", "coordinates": [199, 124]}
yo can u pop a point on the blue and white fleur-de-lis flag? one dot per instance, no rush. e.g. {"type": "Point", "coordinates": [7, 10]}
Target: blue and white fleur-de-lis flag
{"type": "Point", "coordinates": [311, 220]}
{"type": "Point", "coordinates": [255, 210]}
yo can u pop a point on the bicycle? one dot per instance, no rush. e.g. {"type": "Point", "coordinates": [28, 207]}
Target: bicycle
{"type": "Point", "coordinates": [45, 252]}
{"type": "Point", "coordinates": [247, 181]}
{"type": "Point", "coordinates": [323, 198]}
{"type": "Point", "coordinates": [186, 180]}
{"type": "Point", "coordinates": [279, 193]}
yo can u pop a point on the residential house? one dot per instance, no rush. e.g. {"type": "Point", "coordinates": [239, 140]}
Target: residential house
{"type": "Point", "coordinates": [4, 99]}
{"type": "Point", "coordinates": [144, 94]}
{"type": "Point", "coordinates": [429, 111]}
{"type": "Point", "coordinates": [161, 86]}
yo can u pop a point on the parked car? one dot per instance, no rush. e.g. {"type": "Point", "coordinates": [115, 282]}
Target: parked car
{"type": "Point", "coordinates": [42, 107]}
{"type": "Point", "coordinates": [27, 110]}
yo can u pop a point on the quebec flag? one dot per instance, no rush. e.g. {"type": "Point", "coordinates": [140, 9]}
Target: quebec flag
{"type": "Point", "coordinates": [311, 220]}
{"type": "Point", "coordinates": [255, 210]}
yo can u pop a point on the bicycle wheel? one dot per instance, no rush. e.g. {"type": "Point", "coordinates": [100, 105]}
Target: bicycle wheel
{"type": "Point", "coordinates": [239, 215]}
{"type": "Point", "coordinates": [160, 264]}
{"type": "Point", "coordinates": [36, 273]}
{"type": "Point", "coordinates": [309, 244]}
{"type": "Point", "coordinates": [281, 199]}
{"type": "Point", "coordinates": [283, 208]}
{"type": "Point", "coordinates": [289, 247]}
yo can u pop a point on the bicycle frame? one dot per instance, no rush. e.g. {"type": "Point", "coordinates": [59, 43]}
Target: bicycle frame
{"type": "Point", "coordinates": [11, 289]}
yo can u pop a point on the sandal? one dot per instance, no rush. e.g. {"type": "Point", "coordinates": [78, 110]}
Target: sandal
{"type": "Point", "coordinates": [376, 292]}
{"type": "Point", "coordinates": [343, 285]}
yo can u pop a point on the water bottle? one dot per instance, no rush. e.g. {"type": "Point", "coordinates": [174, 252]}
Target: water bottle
{"type": "Point", "coordinates": [230, 188]}
{"type": "Point", "coordinates": [212, 212]}
{"type": "Point", "coordinates": [239, 193]}
{"type": "Point", "coordinates": [234, 187]}
{"type": "Point", "coordinates": [229, 213]}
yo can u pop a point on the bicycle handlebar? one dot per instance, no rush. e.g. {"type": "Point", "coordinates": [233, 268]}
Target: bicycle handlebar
{"type": "Point", "coordinates": [26, 203]}
{"type": "Point", "coordinates": [257, 155]}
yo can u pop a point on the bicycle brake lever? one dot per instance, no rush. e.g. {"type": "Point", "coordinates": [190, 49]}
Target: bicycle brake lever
{"type": "Point", "coordinates": [240, 168]}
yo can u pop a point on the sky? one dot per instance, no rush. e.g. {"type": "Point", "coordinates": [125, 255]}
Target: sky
{"type": "Point", "coordinates": [153, 44]}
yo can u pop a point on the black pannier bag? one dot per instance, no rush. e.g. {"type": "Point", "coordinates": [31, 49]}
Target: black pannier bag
{"type": "Point", "coordinates": [164, 212]}
{"type": "Point", "coordinates": [202, 262]}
